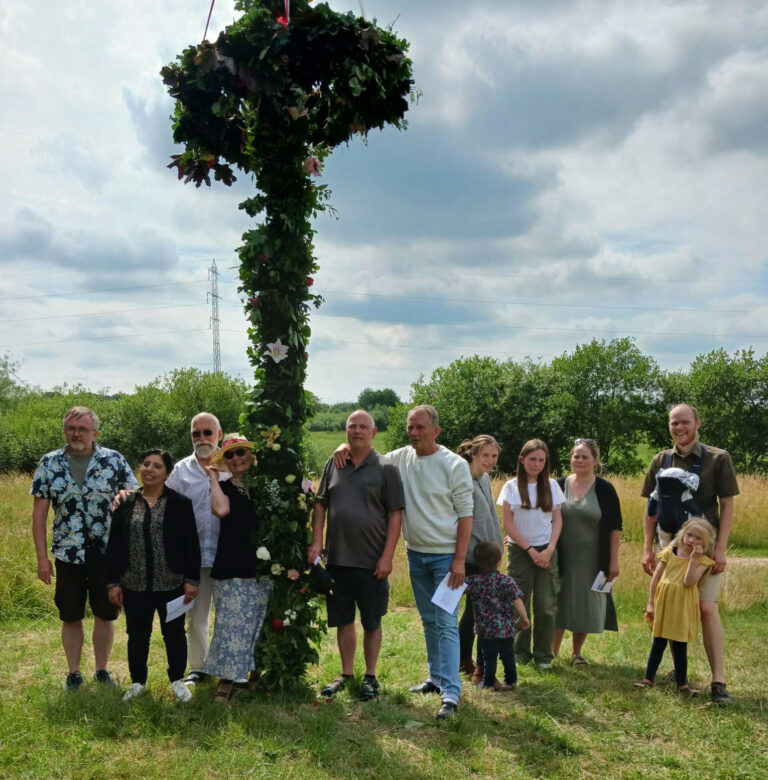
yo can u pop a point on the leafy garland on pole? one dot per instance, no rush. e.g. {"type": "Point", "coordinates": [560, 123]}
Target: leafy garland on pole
{"type": "Point", "coordinates": [278, 90]}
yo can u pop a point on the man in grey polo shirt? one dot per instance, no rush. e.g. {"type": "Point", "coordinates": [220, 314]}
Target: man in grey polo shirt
{"type": "Point", "coordinates": [364, 502]}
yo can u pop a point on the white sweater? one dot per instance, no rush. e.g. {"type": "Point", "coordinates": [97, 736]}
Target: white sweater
{"type": "Point", "coordinates": [438, 491]}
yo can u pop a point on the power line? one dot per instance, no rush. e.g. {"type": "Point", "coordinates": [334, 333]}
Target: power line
{"type": "Point", "coordinates": [97, 313]}
{"type": "Point", "coordinates": [104, 338]}
{"type": "Point", "coordinates": [93, 292]}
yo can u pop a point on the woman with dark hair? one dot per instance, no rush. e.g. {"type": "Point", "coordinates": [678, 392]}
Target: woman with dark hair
{"type": "Point", "coordinates": [481, 453]}
{"type": "Point", "coordinates": [532, 520]}
{"type": "Point", "coordinates": [589, 543]}
{"type": "Point", "coordinates": [153, 557]}
{"type": "Point", "coordinates": [240, 598]}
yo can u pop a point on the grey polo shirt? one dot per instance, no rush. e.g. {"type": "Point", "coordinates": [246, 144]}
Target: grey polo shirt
{"type": "Point", "coordinates": [358, 502]}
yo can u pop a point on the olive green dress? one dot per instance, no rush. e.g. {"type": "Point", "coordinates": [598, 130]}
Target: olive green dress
{"type": "Point", "coordinates": [579, 608]}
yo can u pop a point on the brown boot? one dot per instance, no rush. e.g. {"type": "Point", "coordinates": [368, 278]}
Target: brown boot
{"type": "Point", "coordinates": [467, 666]}
{"type": "Point", "coordinates": [477, 675]}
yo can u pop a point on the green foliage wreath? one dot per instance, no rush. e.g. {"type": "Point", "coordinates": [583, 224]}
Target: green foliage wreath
{"type": "Point", "coordinates": [272, 97]}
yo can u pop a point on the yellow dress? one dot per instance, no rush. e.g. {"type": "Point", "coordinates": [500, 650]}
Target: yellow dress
{"type": "Point", "coordinates": [675, 607]}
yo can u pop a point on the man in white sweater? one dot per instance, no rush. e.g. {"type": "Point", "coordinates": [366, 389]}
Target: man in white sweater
{"type": "Point", "coordinates": [437, 525]}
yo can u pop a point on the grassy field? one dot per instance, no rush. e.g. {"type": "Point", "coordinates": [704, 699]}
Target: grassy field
{"type": "Point", "coordinates": [572, 722]}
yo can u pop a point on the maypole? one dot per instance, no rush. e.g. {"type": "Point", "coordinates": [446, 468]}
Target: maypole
{"type": "Point", "coordinates": [277, 91]}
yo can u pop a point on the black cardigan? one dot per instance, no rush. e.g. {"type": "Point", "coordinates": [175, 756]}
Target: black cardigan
{"type": "Point", "coordinates": [610, 520]}
{"type": "Point", "coordinates": [182, 546]}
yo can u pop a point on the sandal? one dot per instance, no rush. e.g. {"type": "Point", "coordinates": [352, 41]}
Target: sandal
{"type": "Point", "coordinates": [691, 693]}
{"type": "Point", "coordinates": [223, 692]}
{"type": "Point", "coordinates": [579, 660]}
{"type": "Point", "coordinates": [643, 684]}
{"type": "Point", "coordinates": [334, 687]}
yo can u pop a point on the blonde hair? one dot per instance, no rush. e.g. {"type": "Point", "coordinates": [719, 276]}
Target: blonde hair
{"type": "Point", "coordinates": [705, 529]}
{"type": "Point", "coordinates": [470, 447]}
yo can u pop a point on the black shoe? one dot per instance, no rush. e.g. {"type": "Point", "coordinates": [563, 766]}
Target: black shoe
{"type": "Point", "coordinates": [194, 677]}
{"type": "Point", "coordinates": [103, 677]}
{"type": "Point", "coordinates": [370, 688]}
{"type": "Point", "coordinates": [426, 687]}
{"type": "Point", "coordinates": [334, 687]}
{"type": "Point", "coordinates": [74, 681]}
{"type": "Point", "coordinates": [719, 694]}
{"type": "Point", "coordinates": [447, 710]}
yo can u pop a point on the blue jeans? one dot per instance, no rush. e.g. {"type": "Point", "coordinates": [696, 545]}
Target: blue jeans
{"type": "Point", "coordinates": [441, 631]}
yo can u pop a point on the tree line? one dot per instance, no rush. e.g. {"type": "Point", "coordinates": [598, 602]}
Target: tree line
{"type": "Point", "coordinates": [606, 390]}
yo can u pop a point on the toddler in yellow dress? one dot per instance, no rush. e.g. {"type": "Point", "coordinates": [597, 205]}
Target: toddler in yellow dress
{"type": "Point", "coordinates": [673, 599]}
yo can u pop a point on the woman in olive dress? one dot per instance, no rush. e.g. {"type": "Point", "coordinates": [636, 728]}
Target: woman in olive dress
{"type": "Point", "coordinates": [589, 543]}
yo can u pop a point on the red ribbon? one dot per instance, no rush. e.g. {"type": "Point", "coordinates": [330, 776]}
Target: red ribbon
{"type": "Point", "coordinates": [285, 20]}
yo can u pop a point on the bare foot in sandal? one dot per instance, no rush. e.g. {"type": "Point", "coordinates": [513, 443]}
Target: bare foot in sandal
{"type": "Point", "coordinates": [646, 683]}
{"type": "Point", "coordinates": [223, 692]}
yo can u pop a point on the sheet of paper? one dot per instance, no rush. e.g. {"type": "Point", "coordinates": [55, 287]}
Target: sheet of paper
{"type": "Point", "coordinates": [447, 598]}
{"type": "Point", "coordinates": [176, 607]}
{"type": "Point", "coordinates": [601, 584]}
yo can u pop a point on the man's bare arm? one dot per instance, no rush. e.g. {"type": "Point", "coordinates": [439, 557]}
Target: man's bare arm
{"type": "Point", "coordinates": [394, 525]}
{"type": "Point", "coordinates": [727, 507]}
{"type": "Point", "coordinates": [40, 537]}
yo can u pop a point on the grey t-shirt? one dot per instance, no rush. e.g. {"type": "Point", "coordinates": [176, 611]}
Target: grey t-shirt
{"type": "Point", "coordinates": [358, 502]}
{"type": "Point", "coordinates": [78, 466]}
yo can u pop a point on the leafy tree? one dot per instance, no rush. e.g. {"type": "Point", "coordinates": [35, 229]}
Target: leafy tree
{"type": "Point", "coordinates": [370, 398]}
{"type": "Point", "coordinates": [608, 391]}
{"type": "Point", "coordinates": [730, 392]}
{"type": "Point", "coordinates": [11, 387]}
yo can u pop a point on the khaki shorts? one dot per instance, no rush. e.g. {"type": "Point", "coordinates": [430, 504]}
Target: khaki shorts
{"type": "Point", "coordinates": [709, 585]}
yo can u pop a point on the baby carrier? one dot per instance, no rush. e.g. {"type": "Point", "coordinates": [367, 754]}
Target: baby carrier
{"type": "Point", "coordinates": [673, 495]}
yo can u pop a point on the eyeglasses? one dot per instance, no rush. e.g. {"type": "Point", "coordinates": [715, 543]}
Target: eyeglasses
{"type": "Point", "coordinates": [584, 441]}
{"type": "Point", "coordinates": [79, 431]}
{"type": "Point", "coordinates": [198, 434]}
{"type": "Point", "coordinates": [240, 451]}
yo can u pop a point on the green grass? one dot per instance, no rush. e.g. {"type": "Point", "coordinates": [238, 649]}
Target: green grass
{"type": "Point", "coordinates": [582, 722]}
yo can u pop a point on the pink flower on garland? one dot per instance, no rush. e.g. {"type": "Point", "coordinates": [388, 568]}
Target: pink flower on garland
{"type": "Point", "coordinates": [310, 281]}
{"type": "Point", "coordinates": [292, 574]}
{"type": "Point", "coordinates": [254, 301]}
{"type": "Point", "coordinates": [277, 626]}
{"type": "Point", "coordinates": [312, 165]}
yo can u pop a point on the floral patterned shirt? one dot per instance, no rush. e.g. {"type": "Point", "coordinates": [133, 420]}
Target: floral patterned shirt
{"type": "Point", "coordinates": [492, 596]}
{"type": "Point", "coordinates": [81, 515]}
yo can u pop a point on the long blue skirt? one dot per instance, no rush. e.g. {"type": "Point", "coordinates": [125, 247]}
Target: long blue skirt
{"type": "Point", "coordinates": [240, 606]}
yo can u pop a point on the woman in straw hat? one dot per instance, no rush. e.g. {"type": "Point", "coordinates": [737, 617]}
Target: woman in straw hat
{"type": "Point", "coordinates": [240, 598]}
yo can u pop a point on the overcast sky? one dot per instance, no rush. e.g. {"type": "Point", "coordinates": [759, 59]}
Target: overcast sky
{"type": "Point", "coordinates": [573, 170]}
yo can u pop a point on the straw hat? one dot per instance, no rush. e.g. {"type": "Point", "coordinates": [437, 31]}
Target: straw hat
{"type": "Point", "coordinates": [233, 441]}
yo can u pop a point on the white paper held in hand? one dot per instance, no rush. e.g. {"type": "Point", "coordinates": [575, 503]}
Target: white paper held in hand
{"type": "Point", "coordinates": [601, 584]}
{"type": "Point", "coordinates": [447, 598]}
{"type": "Point", "coordinates": [176, 608]}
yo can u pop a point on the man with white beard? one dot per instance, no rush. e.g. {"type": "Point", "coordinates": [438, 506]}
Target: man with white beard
{"type": "Point", "coordinates": [190, 478]}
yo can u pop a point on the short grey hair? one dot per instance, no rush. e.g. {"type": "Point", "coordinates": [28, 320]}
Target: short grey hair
{"type": "Point", "coordinates": [81, 411]}
{"type": "Point", "coordinates": [205, 414]}
{"type": "Point", "coordinates": [362, 411]}
{"type": "Point", "coordinates": [430, 411]}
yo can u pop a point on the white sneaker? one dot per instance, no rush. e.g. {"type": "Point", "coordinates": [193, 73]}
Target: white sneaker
{"type": "Point", "coordinates": [180, 691]}
{"type": "Point", "coordinates": [134, 690]}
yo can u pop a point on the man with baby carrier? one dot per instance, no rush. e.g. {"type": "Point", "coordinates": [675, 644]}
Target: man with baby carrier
{"type": "Point", "coordinates": [693, 479]}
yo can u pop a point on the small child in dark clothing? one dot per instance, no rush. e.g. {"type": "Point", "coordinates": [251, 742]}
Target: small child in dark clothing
{"type": "Point", "coordinates": [495, 599]}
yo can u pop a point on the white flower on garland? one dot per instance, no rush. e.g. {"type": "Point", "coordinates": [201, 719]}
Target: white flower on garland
{"type": "Point", "coordinates": [277, 569]}
{"type": "Point", "coordinates": [277, 351]}
{"type": "Point", "coordinates": [263, 554]}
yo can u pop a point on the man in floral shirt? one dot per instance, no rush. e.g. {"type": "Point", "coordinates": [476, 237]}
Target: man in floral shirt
{"type": "Point", "coordinates": [80, 480]}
